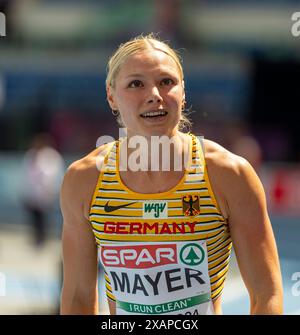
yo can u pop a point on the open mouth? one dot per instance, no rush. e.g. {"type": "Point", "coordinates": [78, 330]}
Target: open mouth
{"type": "Point", "coordinates": [154, 114]}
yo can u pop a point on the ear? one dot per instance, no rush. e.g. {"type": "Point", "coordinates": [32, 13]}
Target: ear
{"type": "Point", "coordinates": [110, 97]}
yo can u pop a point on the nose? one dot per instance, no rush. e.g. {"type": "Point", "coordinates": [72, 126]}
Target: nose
{"type": "Point", "coordinates": [154, 95]}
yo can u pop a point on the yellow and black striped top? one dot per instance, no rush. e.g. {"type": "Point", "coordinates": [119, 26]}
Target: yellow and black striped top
{"type": "Point", "coordinates": [192, 213]}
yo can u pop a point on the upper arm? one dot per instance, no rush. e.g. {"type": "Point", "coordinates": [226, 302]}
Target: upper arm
{"type": "Point", "coordinates": [252, 234]}
{"type": "Point", "coordinates": [79, 294]}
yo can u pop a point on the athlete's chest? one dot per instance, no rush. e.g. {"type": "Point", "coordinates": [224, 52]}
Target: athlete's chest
{"type": "Point", "coordinates": [156, 182]}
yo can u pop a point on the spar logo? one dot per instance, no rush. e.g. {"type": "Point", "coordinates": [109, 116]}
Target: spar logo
{"type": "Point", "coordinates": [155, 209]}
{"type": "Point", "coordinates": [139, 256]}
{"type": "Point", "coordinates": [192, 254]}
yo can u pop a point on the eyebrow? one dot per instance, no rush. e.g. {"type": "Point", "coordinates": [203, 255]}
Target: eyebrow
{"type": "Point", "coordinates": [134, 75]}
{"type": "Point", "coordinates": [138, 75]}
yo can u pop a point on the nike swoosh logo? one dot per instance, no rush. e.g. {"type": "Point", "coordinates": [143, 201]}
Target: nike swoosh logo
{"type": "Point", "coordinates": [109, 209]}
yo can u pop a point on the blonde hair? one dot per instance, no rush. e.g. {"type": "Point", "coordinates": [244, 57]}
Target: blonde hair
{"type": "Point", "coordinates": [138, 44]}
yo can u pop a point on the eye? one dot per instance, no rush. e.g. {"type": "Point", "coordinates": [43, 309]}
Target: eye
{"type": "Point", "coordinates": [135, 83]}
{"type": "Point", "coordinates": [167, 81]}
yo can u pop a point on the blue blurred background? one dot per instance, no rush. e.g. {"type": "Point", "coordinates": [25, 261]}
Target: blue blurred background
{"type": "Point", "coordinates": [242, 74]}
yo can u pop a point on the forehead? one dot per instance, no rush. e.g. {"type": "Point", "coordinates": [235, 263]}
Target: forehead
{"type": "Point", "coordinates": [149, 62]}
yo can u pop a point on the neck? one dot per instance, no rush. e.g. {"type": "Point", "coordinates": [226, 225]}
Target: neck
{"type": "Point", "coordinates": [154, 153]}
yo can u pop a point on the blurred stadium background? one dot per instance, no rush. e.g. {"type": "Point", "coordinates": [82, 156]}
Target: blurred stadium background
{"type": "Point", "coordinates": [241, 65]}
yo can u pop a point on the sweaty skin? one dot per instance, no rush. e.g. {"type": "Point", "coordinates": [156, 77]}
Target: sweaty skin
{"type": "Point", "coordinates": [241, 200]}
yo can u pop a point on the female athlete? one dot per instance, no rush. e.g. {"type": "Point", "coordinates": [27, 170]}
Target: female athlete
{"type": "Point", "coordinates": [162, 218]}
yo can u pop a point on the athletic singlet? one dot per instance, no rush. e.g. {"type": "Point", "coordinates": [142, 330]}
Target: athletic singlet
{"type": "Point", "coordinates": [163, 253]}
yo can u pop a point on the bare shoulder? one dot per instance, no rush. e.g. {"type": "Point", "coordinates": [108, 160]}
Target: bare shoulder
{"type": "Point", "coordinates": [80, 171]}
{"type": "Point", "coordinates": [81, 177]}
{"type": "Point", "coordinates": [222, 160]}
{"type": "Point", "coordinates": [232, 178]}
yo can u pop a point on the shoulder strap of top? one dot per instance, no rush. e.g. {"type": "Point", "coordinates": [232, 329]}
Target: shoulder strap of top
{"type": "Point", "coordinates": [198, 162]}
{"type": "Point", "coordinates": [110, 160]}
